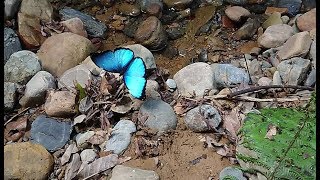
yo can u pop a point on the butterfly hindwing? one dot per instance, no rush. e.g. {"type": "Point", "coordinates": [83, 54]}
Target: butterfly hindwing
{"type": "Point", "coordinates": [134, 78]}
{"type": "Point", "coordinates": [116, 61]}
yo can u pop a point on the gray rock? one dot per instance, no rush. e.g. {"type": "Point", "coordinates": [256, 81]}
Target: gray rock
{"type": "Point", "coordinates": [313, 53]}
{"type": "Point", "coordinates": [248, 29]}
{"type": "Point", "coordinates": [118, 142]}
{"type": "Point", "coordinates": [10, 95]}
{"type": "Point", "coordinates": [152, 88]}
{"type": "Point", "coordinates": [176, 32]}
{"type": "Point", "coordinates": [11, 7]}
{"type": "Point", "coordinates": [152, 84]}
{"type": "Point", "coordinates": [189, 80]}
{"type": "Point", "coordinates": [121, 136]}
{"type": "Point", "coordinates": [311, 79]}
{"type": "Point", "coordinates": [264, 81]}
{"type": "Point", "coordinates": [232, 173]}
{"type": "Point", "coordinates": [202, 118]}
{"type": "Point", "coordinates": [145, 4]}
{"type": "Point", "coordinates": [82, 138]}
{"type": "Point", "coordinates": [50, 133]}
{"type": "Point", "coordinates": [294, 71]}
{"type": "Point", "coordinates": [80, 74]}
{"type": "Point", "coordinates": [225, 75]}
{"type": "Point", "coordinates": [36, 89]}
{"type": "Point", "coordinates": [11, 43]}
{"type": "Point", "coordinates": [285, 19]}
{"type": "Point", "coordinates": [121, 172]}
{"type": "Point", "coordinates": [157, 114]}
{"type": "Point", "coordinates": [297, 45]}
{"type": "Point", "coordinates": [145, 54]}
{"type": "Point", "coordinates": [93, 27]}
{"type": "Point", "coordinates": [275, 35]}
{"type": "Point", "coordinates": [88, 155]}
{"type": "Point", "coordinates": [21, 67]}
{"type": "Point", "coordinates": [254, 67]}
{"type": "Point", "coordinates": [125, 126]}
{"type": "Point", "coordinates": [171, 84]}
{"type": "Point", "coordinates": [85, 104]}
{"type": "Point", "coordinates": [276, 80]}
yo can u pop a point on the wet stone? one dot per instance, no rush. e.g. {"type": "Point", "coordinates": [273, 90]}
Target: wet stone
{"type": "Point", "coordinates": [51, 133]}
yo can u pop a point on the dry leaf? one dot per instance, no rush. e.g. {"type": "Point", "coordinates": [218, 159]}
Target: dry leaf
{"type": "Point", "coordinates": [272, 131]}
{"type": "Point", "coordinates": [72, 168]}
{"type": "Point", "coordinates": [232, 121]}
{"type": "Point", "coordinates": [124, 159]}
{"type": "Point", "coordinates": [16, 129]}
{"type": "Point", "coordinates": [97, 166]}
{"type": "Point", "coordinates": [72, 148]}
{"type": "Point", "coordinates": [223, 151]}
{"type": "Point", "coordinates": [178, 109]}
{"type": "Point", "coordinates": [211, 141]}
{"type": "Point", "coordinates": [99, 137]}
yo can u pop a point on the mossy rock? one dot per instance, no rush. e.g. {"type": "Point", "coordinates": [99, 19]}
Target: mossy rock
{"type": "Point", "coordinates": [290, 154]}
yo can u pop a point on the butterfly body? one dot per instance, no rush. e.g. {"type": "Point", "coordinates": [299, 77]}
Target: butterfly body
{"type": "Point", "coordinates": [122, 61]}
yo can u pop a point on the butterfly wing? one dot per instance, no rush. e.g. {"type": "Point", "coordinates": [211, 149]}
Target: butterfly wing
{"type": "Point", "coordinates": [134, 78]}
{"type": "Point", "coordinates": [116, 61]}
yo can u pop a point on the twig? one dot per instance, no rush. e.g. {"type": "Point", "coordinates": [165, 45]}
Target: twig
{"type": "Point", "coordinates": [16, 115]}
{"type": "Point", "coordinates": [252, 89]}
{"type": "Point", "coordinates": [252, 99]}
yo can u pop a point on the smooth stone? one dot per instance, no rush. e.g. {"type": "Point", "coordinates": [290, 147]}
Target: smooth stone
{"type": "Point", "coordinates": [202, 118]}
{"type": "Point", "coordinates": [285, 19]}
{"type": "Point", "coordinates": [129, 9]}
{"type": "Point", "coordinates": [297, 45]}
{"type": "Point", "coordinates": [93, 27]}
{"type": "Point", "coordinates": [177, 4]}
{"type": "Point", "coordinates": [235, 13]}
{"type": "Point", "coordinates": [225, 75]}
{"type": "Point", "coordinates": [276, 80]}
{"type": "Point", "coordinates": [21, 67]}
{"type": "Point", "coordinates": [275, 35]}
{"type": "Point", "coordinates": [308, 5]}
{"type": "Point", "coordinates": [271, 10]}
{"type": "Point", "coordinates": [158, 115]}
{"type": "Point", "coordinates": [313, 53]}
{"type": "Point", "coordinates": [121, 172]}
{"type": "Point", "coordinates": [189, 80]}
{"type": "Point", "coordinates": [248, 30]}
{"type": "Point", "coordinates": [171, 84]}
{"type": "Point", "coordinates": [36, 8]}
{"type": "Point", "coordinates": [80, 74]}
{"type": "Point", "coordinates": [64, 51]}
{"type": "Point", "coordinates": [125, 126]}
{"type": "Point", "coordinates": [36, 89]}
{"type": "Point", "coordinates": [11, 8]}
{"type": "Point", "coordinates": [82, 138]}
{"type": "Point", "coordinates": [294, 71]}
{"type": "Point", "coordinates": [152, 88]}
{"type": "Point", "coordinates": [254, 67]}
{"type": "Point", "coordinates": [50, 133]}
{"type": "Point", "coordinates": [88, 155]}
{"type": "Point", "coordinates": [76, 26]}
{"type": "Point", "coordinates": [311, 79]}
{"type": "Point", "coordinates": [152, 84]}
{"type": "Point", "coordinates": [150, 33]}
{"type": "Point", "coordinates": [146, 55]}
{"type": "Point", "coordinates": [233, 172]}
{"type": "Point", "coordinates": [11, 43]}
{"type": "Point", "coordinates": [27, 161]}
{"type": "Point", "coordinates": [175, 32]}
{"type": "Point", "coordinates": [313, 33]}
{"type": "Point", "coordinates": [10, 95]}
{"type": "Point", "coordinates": [60, 104]}
{"type": "Point", "coordinates": [292, 5]}
{"type": "Point", "coordinates": [79, 119]}
{"type": "Point", "coordinates": [118, 142]}
{"type": "Point", "coordinates": [307, 21]}
{"type": "Point", "coordinates": [264, 81]}
{"type": "Point", "coordinates": [273, 19]}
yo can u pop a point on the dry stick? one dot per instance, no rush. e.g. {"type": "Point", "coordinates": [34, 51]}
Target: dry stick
{"type": "Point", "coordinates": [267, 87]}
{"type": "Point", "coordinates": [16, 115]}
{"type": "Point", "coordinates": [252, 99]}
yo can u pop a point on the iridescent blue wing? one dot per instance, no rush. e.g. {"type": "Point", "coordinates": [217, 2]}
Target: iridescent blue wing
{"type": "Point", "coordinates": [134, 78]}
{"type": "Point", "coordinates": [116, 61]}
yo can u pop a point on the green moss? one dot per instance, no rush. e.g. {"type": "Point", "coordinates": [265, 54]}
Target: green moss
{"type": "Point", "coordinates": [291, 153]}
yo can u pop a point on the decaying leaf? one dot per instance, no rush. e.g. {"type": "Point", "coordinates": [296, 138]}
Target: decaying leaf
{"type": "Point", "coordinates": [210, 141]}
{"type": "Point", "coordinates": [224, 150]}
{"type": "Point", "coordinates": [272, 131]}
{"type": "Point", "coordinates": [99, 137]}
{"type": "Point", "coordinates": [79, 119]}
{"type": "Point", "coordinates": [232, 121]}
{"type": "Point", "coordinates": [123, 105]}
{"type": "Point", "coordinates": [97, 166]}
{"type": "Point", "coordinates": [15, 130]}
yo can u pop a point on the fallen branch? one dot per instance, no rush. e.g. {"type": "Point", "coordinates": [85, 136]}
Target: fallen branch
{"type": "Point", "coordinates": [257, 88]}
{"type": "Point", "coordinates": [252, 99]}
{"type": "Point", "coordinates": [16, 115]}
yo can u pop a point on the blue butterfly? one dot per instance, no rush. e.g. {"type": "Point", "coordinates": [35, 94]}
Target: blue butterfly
{"type": "Point", "coordinates": [122, 61]}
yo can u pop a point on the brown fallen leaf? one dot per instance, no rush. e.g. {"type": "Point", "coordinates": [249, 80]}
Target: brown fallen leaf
{"type": "Point", "coordinates": [272, 131]}
{"type": "Point", "coordinates": [72, 148]}
{"type": "Point", "coordinates": [211, 141]}
{"type": "Point", "coordinates": [16, 129]}
{"type": "Point", "coordinates": [232, 121]}
{"type": "Point", "coordinates": [99, 137]}
{"type": "Point", "coordinates": [97, 166]}
{"type": "Point", "coordinates": [224, 151]}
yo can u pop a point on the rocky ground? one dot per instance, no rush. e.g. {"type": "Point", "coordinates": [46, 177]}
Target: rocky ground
{"type": "Point", "coordinates": [204, 59]}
